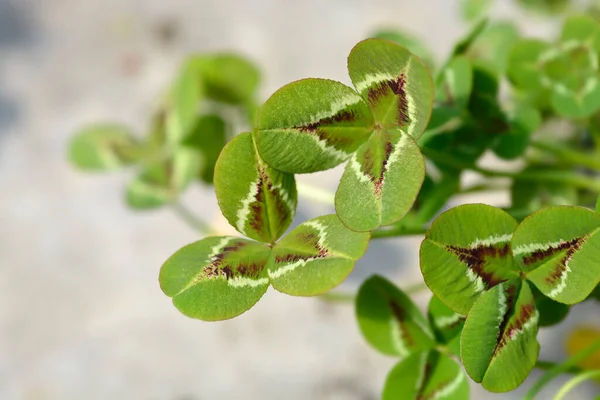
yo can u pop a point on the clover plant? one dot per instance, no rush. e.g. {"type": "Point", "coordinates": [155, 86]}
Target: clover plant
{"type": "Point", "coordinates": [406, 131]}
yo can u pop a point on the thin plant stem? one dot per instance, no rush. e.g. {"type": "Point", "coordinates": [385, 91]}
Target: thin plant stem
{"type": "Point", "coordinates": [561, 368]}
{"type": "Point", "coordinates": [191, 219]}
{"type": "Point", "coordinates": [399, 230]}
{"type": "Point", "coordinates": [566, 388]}
{"type": "Point", "coordinates": [548, 365]}
{"type": "Point", "coordinates": [565, 177]}
{"type": "Point", "coordinates": [569, 156]}
{"type": "Point", "coordinates": [315, 193]}
{"type": "Point", "coordinates": [340, 297]}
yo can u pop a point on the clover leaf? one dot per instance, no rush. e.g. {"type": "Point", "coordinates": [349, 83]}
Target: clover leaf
{"type": "Point", "coordinates": [498, 342]}
{"type": "Point", "coordinates": [381, 181]}
{"type": "Point", "coordinates": [466, 252]}
{"type": "Point", "coordinates": [559, 248]}
{"type": "Point", "coordinates": [103, 147]}
{"type": "Point", "coordinates": [394, 83]}
{"type": "Point", "coordinates": [312, 125]}
{"type": "Point", "coordinates": [426, 375]}
{"type": "Point", "coordinates": [315, 256]}
{"type": "Point", "coordinates": [257, 200]}
{"type": "Point", "coordinates": [216, 278]}
{"type": "Point", "coordinates": [389, 320]}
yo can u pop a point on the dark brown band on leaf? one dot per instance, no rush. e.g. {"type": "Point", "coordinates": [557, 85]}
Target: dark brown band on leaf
{"type": "Point", "coordinates": [397, 87]}
{"type": "Point", "coordinates": [368, 167]}
{"type": "Point", "coordinates": [475, 259]}
{"type": "Point", "coordinates": [216, 268]}
{"type": "Point", "coordinates": [400, 317]}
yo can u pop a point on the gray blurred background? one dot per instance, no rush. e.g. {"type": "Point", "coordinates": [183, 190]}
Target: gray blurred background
{"type": "Point", "coordinates": [81, 313]}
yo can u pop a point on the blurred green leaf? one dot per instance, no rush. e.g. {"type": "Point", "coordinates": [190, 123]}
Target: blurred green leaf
{"type": "Point", "coordinates": [494, 45]}
{"type": "Point", "coordinates": [534, 195]}
{"type": "Point", "coordinates": [513, 143]}
{"type": "Point", "coordinates": [413, 44]}
{"type": "Point", "coordinates": [472, 10]}
{"type": "Point", "coordinates": [544, 6]}
{"type": "Point", "coordinates": [524, 64]}
{"type": "Point", "coordinates": [162, 182]}
{"type": "Point", "coordinates": [103, 147]}
{"type": "Point", "coordinates": [208, 138]}
{"type": "Point", "coordinates": [230, 78]}
{"type": "Point", "coordinates": [183, 102]}
{"type": "Point", "coordinates": [465, 43]}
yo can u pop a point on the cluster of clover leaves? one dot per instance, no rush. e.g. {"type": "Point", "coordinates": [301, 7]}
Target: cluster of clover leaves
{"type": "Point", "coordinates": [497, 275]}
{"type": "Point", "coordinates": [182, 144]}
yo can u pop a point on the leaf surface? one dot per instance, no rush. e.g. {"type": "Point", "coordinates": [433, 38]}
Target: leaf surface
{"type": "Point", "coordinates": [381, 181]}
{"type": "Point", "coordinates": [216, 278]}
{"type": "Point", "coordinates": [315, 256]}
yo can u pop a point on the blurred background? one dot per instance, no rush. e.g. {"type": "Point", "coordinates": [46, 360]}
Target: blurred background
{"type": "Point", "coordinates": [81, 312]}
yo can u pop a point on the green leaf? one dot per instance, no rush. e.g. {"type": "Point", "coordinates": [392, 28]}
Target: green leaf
{"type": "Point", "coordinates": [103, 147]}
{"type": "Point", "coordinates": [315, 256]}
{"type": "Point", "coordinates": [216, 278]}
{"type": "Point", "coordinates": [426, 375]}
{"type": "Point", "coordinates": [514, 143]}
{"type": "Point", "coordinates": [413, 44]}
{"type": "Point", "coordinates": [230, 78]}
{"type": "Point", "coordinates": [465, 252]}
{"type": "Point", "coordinates": [545, 6]}
{"type": "Point", "coordinates": [535, 195]}
{"type": "Point", "coordinates": [498, 342]}
{"type": "Point", "coordinates": [162, 182]}
{"type": "Point", "coordinates": [524, 64]}
{"type": "Point", "coordinates": [598, 205]}
{"type": "Point", "coordinates": [381, 181]}
{"type": "Point", "coordinates": [208, 138]}
{"type": "Point", "coordinates": [464, 45]}
{"type": "Point", "coordinates": [389, 320]}
{"type": "Point", "coordinates": [551, 312]}
{"type": "Point", "coordinates": [454, 85]}
{"type": "Point", "coordinates": [453, 89]}
{"type": "Point", "coordinates": [494, 44]}
{"type": "Point", "coordinates": [312, 125]}
{"type": "Point", "coordinates": [570, 71]}
{"type": "Point", "coordinates": [182, 102]}
{"type": "Point", "coordinates": [559, 249]}
{"type": "Point", "coordinates": [582, 28]}
{"type": "Point", "coordinates": [395, 84]}
{"type": "Point", "coordinates": [257, 200]}
{"type": "Point", "coordinates": [447, 325]}
{"type": "Point", "coordinates": [472, 10]}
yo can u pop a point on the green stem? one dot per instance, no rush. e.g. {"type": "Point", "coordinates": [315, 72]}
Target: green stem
{"type": "Point", "coordinates": [398, 230]}
{"type": "Point", "coordinates": [560, 368]}
{"type": "Point", "coordinates": [315, 193]}
{"type": "Point", "coordinates": [340, 297]}
{"type": "Point", "coordinates": [191, 220]}
{"type": "Point", "coordinates": [569, 155]}
{"type": "Point", "coordinates": [548, 365]}
{"type": "Point", "coordinates": [562, 392]}
{"type": "Point", "coordinates": [564, 177]}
